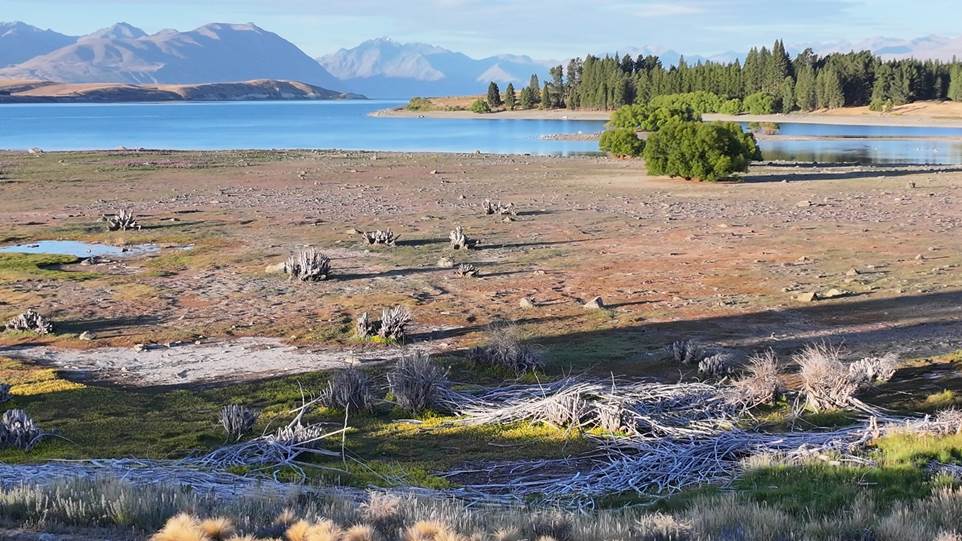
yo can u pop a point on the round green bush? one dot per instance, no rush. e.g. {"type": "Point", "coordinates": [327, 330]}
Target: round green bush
{"type": "Point", "coordinates": [731, 107]}
{"type": "Point", "coordinates": [621, 142]}
{"type": "Point", "coordinates": [705, 151]}
{"type": "Point", "coordinates": [480, 107]}
{"type": "Point", "coordinates": [760, 103]}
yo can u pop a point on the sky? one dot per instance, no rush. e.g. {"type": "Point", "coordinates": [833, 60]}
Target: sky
{"type": "Point", "coordinates": [549, 29]}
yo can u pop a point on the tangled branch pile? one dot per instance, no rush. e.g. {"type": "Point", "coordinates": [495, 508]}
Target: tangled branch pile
{"type": "Point", "coordinates": [460, 241]}
{"type": "Point", "coordinates": [392, 325]}
{"type": "Point", "coordinates": [504, 349]}
{"type": "Point", "coordinates": [308, 265]}
{"type": "Point", "coordinates": [238, 420]}
{"type": "Point", "coordinates": [668, 465]}
{"type": "Point", "coordinates": [281, 449]}
{"type": "Point", "coordinates": [18, 430]}
{"type": "Point", "coordinates": [350, 389]}
{"type": "Point", "coordinates": [497, 207]}
{"type": "Point", "coordinates": [829, 383]}
{"type": "Point", "coordinates": [121, 221]}
{"type": "Point", "coordinates": [387, 238]}
{"type": "Point", "coordinates": [30, 321]}
{"type": "Point", "coordinates": [639, 409]}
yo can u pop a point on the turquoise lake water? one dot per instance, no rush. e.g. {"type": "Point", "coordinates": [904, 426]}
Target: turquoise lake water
{"type": "Point", "coordinates": [347, 125]}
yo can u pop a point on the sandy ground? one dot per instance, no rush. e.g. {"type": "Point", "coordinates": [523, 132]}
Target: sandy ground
{"type": "Point", "coordinates": [534, 114]}
{"type": "Point", "coordinates": [720, 263]}
{"type": "Point", "coordinates": [219, 362]}
{"type": "Point", "coordinates": [921, 114]}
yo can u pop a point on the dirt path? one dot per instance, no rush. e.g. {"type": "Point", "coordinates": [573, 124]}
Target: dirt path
{"type": "Point", "coordinates": [217, 362]}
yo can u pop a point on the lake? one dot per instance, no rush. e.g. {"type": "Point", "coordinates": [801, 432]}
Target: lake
{"type": "Point", "coordinates": [347, 125]}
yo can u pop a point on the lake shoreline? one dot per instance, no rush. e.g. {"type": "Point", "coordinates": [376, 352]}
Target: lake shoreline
{"type": "Point", "coordinates": [879, 119]}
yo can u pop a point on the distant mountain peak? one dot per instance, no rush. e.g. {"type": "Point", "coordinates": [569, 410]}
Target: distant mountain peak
{"type": "Point", "coordinates": [119, 30]}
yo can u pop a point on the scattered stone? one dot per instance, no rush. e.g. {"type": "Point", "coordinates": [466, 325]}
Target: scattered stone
{"type": "Point", "coordinates": [86, 336]}
{"type": "Point", "coordinates": [803, 204]}
{"type": "Point", "coordinates": [852, 272]}
{"type": "Point", "coordinates": [595, 304]}
{"type": "Point", "coordinates": [809, 296]}
{"type": "Point", "coordinates": [834, 294]}
{"type": "Point", "coordinates": [526, 303]}
{"type": "Point", "coordinates": [274, 268]}
{"type": "Point", "coordinates": [445, 263]}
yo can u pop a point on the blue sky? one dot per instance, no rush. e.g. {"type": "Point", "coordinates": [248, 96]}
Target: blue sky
{"type": "Point", "coordinates": [542, 28]}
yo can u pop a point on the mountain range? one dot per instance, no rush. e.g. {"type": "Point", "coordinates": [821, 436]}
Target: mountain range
{"type": "Point", "coordinates": [219, 52]}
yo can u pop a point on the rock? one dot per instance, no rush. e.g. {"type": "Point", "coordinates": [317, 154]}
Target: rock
{"type": "Point", "coordinates": [86, 336]}
{"type": "Point", "coordinates": [507, 219]}
{"type": "Point", "coordinates": [140, 347]}
{"type": "Point", "coordinates": [526, 303]}
{"type": "Point", "coordinates": [275, 268]}
{"type": "Point", "coordinates": [445, 263]}
{"type": "Point", "coordinates": [810, 296]}
{"type": "Point", "coordinates": [595, 304]}
{"type": "Point", "coordinates": [852, 272]}
{"type": "Point", "coordinates": [803, 204]}
{"type": "Point", "coordinates": [834, 294]}
{"type": "Point", "coordinates": [919, 257]}
{"type": "Point", "coordinates": [352, 231]}
{"type": "Point", "coordinates": [434, 171]}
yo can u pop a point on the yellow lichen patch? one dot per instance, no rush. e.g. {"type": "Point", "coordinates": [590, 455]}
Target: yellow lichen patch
{"type": "Point", "coordinates": [26, 380]}
{"type": "Point", "coordinates": [134, 291]}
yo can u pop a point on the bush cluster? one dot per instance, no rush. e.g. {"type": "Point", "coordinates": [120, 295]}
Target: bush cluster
{"type": "Point", "coordinates": [706, 151]}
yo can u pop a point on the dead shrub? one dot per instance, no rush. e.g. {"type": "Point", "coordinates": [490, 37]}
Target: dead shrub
{"type": "Point", "coordinates": [351, 389]}
{"type": "Point", "coordinates": [417, 383]}
{"type": "Point", "coordinates": [504, 349]}
{"type": "Point", "coordinates": [238, 420]}
{"type": "Point", "coordinates": [460, 241]}
{"type": "Point", "coordinates": [18, 430]}
{"type": "Point", "coordinates": [386, 238]}
{"type": "Point", "coordinates": [30, 321]}
{"type": "Point", "coordinates": [686, 352]}
{"type": "Point", "coordinates": [308, 265]}
{"type": "Point", "coordinates": [123, 220]}
{"type": "Point", "coordinates": [761, 383]}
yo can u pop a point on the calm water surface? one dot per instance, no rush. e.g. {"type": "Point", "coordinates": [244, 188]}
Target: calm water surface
{"type": "Point", "coordinates": [347, 125]}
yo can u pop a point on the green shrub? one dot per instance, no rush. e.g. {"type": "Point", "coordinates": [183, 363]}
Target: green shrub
{"type": "Point", "coordinates": [731, 107]}
{"type": "Point", "coordinates": [480, 107]}
{"type": "Point", "coordinates": [882, 106]}
{"type": "Point", "coordinates": [646, 118]}
{"type": "Point", "coordinates": [621, 142]}
{"type": "Point", "coordinates": [760, 103]}
{"type": "Point", "coordinates": [706, 151]}
{"type": "Point", "coordinates": [420, 104]}
{"type": "Point", "coordinates": [699, 103]}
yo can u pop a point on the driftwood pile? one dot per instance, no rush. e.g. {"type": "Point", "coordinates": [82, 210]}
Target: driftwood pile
{"type": "Point", "coordinates": [308, 265]}
{"type": "Point", "coordinates": [30, 321]}
{"type": "Point", "coordinates": [121, 221]}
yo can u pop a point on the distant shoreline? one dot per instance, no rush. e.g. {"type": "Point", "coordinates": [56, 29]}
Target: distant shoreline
{"type": "Point", "coordinates": [845, 117]}
{"type": "Point", "coordinates": [20, 92]}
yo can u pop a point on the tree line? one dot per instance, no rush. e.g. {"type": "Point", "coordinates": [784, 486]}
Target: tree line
{"type": "Point", "coordinates": [769, 80]}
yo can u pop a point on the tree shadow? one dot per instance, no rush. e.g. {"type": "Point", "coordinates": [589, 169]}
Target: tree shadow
{"type": "Point", "coordinates": [421, 242]}
{"type": "Point", "coordinates": [445, 334]}
{"type": "Point", "coordinates": [106, 326]}
{"type": "Point", "coordinates": [386, 274]}
{"type": "Point", "coordinates": [528, 244]}
{"type": "Point", "coordinates": [843, 175]}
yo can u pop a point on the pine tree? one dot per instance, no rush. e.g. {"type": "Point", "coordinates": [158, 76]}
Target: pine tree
{"type": "Point", "coordinates": [494, 95]}
{"type": "Point", "coordinates": [509, 97]}
{"type": "Point", "coordinates": [535, 86]}
{"type": "Point", "coordinates": [805, 89]}
{"type": "Point", "coordinates": [788, 95]}
{"type": "Point", "coordinates": [955, 83]}
{"type": "Point", "coordinates": [546, 100]}
{"type": "Point", "coordinates": [527, 102]}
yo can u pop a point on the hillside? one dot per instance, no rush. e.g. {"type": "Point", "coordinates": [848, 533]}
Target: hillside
{"type": "Point", "coordinates": [211, 53]}
{"type": "Point", "coordinates": [45, 91]}
{"type": "Point", "coordinates": [20, 42]}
